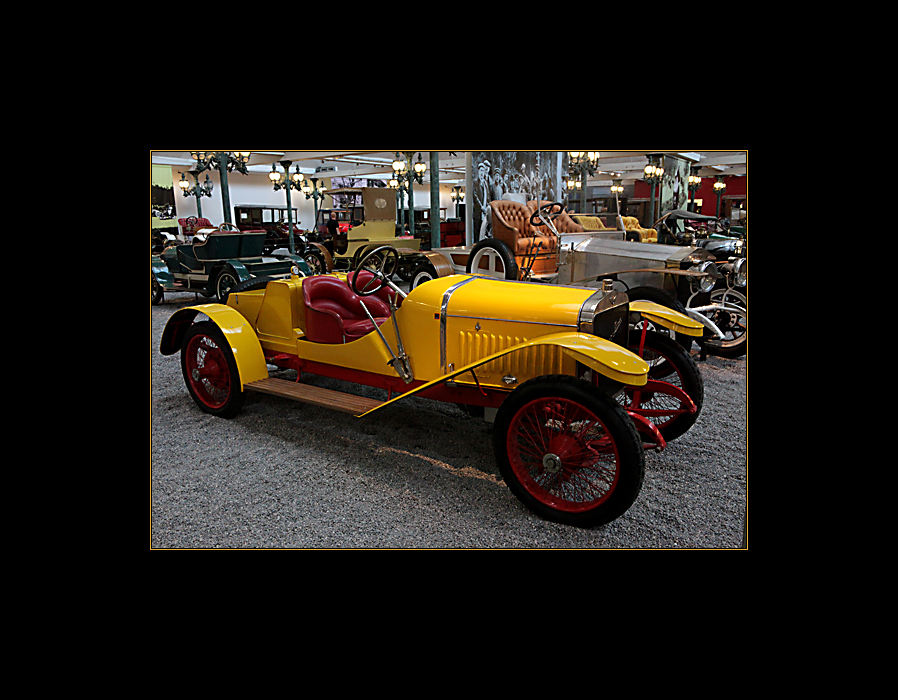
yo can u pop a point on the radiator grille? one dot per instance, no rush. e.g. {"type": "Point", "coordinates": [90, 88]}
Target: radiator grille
{"type": "Point", "coordinates": [529, 362]}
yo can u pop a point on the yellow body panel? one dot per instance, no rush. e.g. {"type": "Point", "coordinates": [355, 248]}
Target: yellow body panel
{"type": "Point", "coordinates": [377, 233]}
{"type": "Point", "coordinates": [479, 327]}
{"type": "Point", "coordinates": [668, 318]}
{"type": "Point", "coordinates": [486, 297]}
{"type": "Point", "coordinates": [598, 354]}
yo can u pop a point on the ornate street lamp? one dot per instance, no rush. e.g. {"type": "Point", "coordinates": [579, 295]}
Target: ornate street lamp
{"type": "Point", "coordinates": [225, 161]}
{"type": "Point", "coordinates": [719, 188]}
{"type": "Point", "coordinates": [402, 181]}
{"type": "Point", "coordinates": [314, 192]}
{"type": "Point", "coordinates": [654, 173]}
{"type": "Point", "coordinates": [199, 191]}
{"type": "Point", "coordinates": [458, 196]}
{"type": "Point", "coordinates": [582, 164]}
{"type": "Point", "coordinates": [695, 181]}
{"type": "Point", "coordinates": [287, 182]}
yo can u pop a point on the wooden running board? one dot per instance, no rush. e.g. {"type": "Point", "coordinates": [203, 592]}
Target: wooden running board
{"type": "Point", "coordinates": [305, 393]}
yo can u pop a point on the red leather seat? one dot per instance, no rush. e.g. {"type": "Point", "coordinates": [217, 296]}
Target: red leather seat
{"type": "Point", "coordinates": [334, 314]}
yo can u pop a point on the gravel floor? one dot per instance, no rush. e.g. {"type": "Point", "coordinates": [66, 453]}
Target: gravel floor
{"type": "Point", "coordinates": [422, 475]}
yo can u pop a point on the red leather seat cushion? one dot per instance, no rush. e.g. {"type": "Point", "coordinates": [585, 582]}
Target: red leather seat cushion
{"type": "Point", "coordinates": [335, 315]}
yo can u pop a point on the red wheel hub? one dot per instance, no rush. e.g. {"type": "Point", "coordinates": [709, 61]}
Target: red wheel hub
{"type": "Point", "coordinates": [563, 454]}
{"type": "Point", "coordinates": [207, 371]}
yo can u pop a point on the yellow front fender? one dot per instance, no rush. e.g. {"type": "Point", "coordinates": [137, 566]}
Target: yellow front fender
{"type": "Point", "coordinates": [598, 354]}
{"type": "Point", "coordinates": [668, 318]}
{"type": "Point", "coordinates": [236, 329]}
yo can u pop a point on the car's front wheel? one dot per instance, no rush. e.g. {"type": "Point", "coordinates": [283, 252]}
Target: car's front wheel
{"type": "Point", "coordinates": [210, 370]}
{"type": "Point", "coordinates": [568, 451]}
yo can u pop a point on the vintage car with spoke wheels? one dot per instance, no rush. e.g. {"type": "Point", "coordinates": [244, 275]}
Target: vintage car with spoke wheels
{"type": "Point", "coordinates": [540, 241]}
{"type": "Point", "coordinates": [575, 396]}
{"type": "Point", "coordinates": [216, 261]}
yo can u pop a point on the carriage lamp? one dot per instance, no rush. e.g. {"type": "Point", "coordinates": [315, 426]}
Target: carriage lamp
{"type": "Point", "coordinates": [707, 282]}
{"type": "Point", "coordinates": [741, 270]}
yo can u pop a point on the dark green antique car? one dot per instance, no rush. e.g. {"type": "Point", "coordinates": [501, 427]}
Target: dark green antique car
{"type": "Point", "coordinates": [216, 262]}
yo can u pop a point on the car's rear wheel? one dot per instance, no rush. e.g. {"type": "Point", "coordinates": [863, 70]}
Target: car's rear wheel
{"type": "Point", "coordinates": [227, 279]}
{"type": "Point", "coordinates": [210, 370]}
{"type": "Point", "coordinates": [568, 451]}
{"type": "Point", "coordinates": [156, 291]}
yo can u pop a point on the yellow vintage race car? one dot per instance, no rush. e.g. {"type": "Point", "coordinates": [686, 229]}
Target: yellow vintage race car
{"type": "Point", "coordinates": [575, 384]}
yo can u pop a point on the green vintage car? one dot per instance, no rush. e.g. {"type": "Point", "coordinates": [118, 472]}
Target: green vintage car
{"type": "Point", "coordinates": [216, 261]}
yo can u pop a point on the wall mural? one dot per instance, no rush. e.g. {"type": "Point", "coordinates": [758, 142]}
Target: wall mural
{"type": "Point", "coordinates": [535, 174]}
{"type": "Point", "coordinates": [348, 200]}
{"type": "Point", "coordinates": [163, 206]}
{"type": "Point", "coordinates": [675, 193]}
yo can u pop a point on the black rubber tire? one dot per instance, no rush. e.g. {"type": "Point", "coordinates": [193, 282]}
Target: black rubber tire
{"type": "Point", "coordinates": [505, 253]}
{"type": "Point", "coordinates": [233, 402]}
{"type": "Point", "coordinates": [631, 458]}
{"type": "Point", "coordinates": [315, 260]}
{"type": "Point", "coordinates": [251, 284]}
{"type": "Point", "coordinates": [424, 267]}
{"type": "Point", "coordinates": [222, 288]}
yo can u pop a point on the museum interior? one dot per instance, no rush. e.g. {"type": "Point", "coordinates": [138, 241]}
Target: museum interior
{"type": "Point", "coordinates": [449, 349]}
{"type": "Point", "coordinates": [692, 180]}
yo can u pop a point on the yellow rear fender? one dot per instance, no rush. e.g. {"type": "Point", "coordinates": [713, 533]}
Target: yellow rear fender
{"type": "Point", "coordinates": [668, 318]}
{"type": "Point", "coordinates": [598, 354]}
{"type": "Point", "coordinates": [235, 328]}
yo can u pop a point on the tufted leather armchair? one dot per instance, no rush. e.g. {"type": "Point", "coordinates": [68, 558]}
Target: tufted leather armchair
{"type": "Point", "coordinates": [511, 225]}
{"type": "Point", "coordinates": [646, 235]}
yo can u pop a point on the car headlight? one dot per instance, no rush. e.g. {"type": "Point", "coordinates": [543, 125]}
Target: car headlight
{"type": "Point", "coordinates": [741, 270]}
{"type": "Point", "coordinates": [705, 284]}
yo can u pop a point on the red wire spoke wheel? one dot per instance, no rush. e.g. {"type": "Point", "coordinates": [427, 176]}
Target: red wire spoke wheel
{"type": "Point", "coordinates": [568, 451]}
{"type": "Point", "coordinates": [210, 370]}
